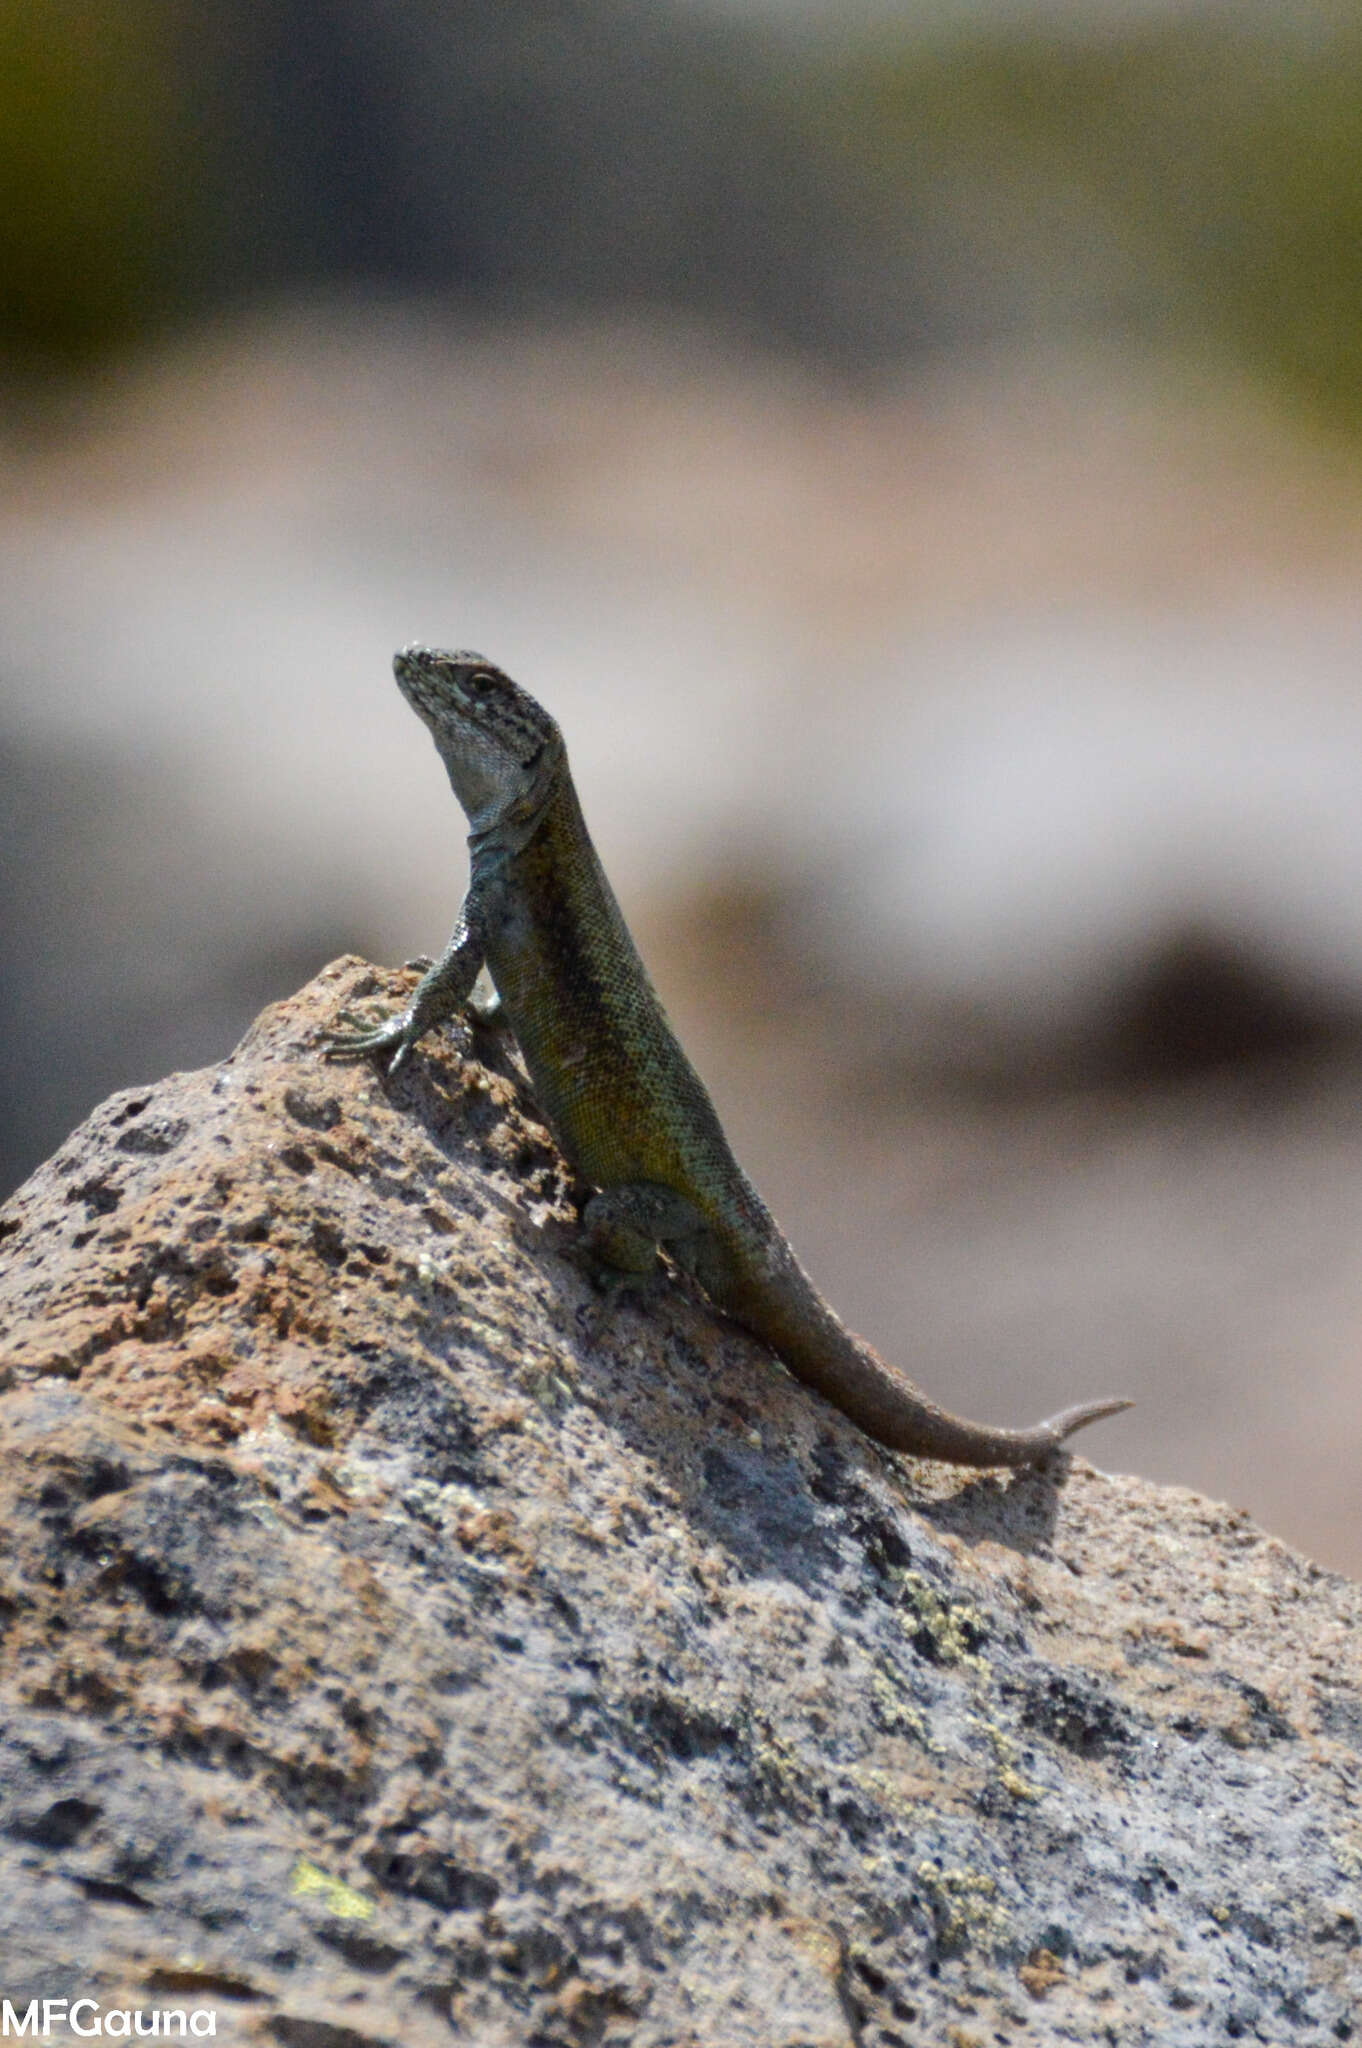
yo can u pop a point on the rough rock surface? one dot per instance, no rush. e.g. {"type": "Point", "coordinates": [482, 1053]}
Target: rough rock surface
{"type": "Point", "coordinates": [388, 1659]}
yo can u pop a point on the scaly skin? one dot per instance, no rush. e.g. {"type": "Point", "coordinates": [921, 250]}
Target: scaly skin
{"type": "Point", "coordinates": [625, 1104]}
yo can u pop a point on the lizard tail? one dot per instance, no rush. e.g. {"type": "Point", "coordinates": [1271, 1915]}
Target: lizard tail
{"type": "Point", "coordinates": [778, 1302]}
{"type": "Point", "coordinates": [1063, 1425]}
{"type": "Point", "coordinates": [887, 1406]}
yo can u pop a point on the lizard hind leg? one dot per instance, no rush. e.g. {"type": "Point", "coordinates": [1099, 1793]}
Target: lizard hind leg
{"type": "Point", "coordinates": [622, 1228]}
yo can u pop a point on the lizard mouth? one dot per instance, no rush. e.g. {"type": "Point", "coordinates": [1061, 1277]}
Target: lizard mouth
{"type": "Point", "coordinates": [413, 668]}
{"type": "Point", "coordinates": [409, 664]}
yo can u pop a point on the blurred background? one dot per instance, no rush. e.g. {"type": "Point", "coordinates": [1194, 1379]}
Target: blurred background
{"type": "Point", "coordinates": [918, 455]}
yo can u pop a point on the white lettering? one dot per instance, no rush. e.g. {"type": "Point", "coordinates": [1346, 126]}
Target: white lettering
{"type": "Point", "coordinates": [42, 2017]}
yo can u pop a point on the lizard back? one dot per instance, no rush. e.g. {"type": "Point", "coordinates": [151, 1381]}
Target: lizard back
{"type": "Point", "coordinates": [608, 1070]}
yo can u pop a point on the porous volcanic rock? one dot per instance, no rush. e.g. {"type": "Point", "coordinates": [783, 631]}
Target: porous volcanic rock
{"type": "Point", "coordinates": [389, 1656]}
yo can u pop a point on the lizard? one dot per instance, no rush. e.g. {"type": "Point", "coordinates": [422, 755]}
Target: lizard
{"type": "Point", "coordinates": [628, 1110]}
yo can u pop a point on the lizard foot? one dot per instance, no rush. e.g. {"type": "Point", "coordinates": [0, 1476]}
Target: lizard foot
{"type": "Point", "coordinates": [394, 1035]}
{"type": "Point", "coordinates": [613, 1289]}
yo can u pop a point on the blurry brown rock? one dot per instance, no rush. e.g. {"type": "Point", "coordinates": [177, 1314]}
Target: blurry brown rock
{"type": "Point", "coordinates": [389, 1659]}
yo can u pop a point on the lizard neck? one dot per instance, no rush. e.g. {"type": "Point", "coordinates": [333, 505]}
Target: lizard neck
{"type": "Point", "coordinates": [506, 825]}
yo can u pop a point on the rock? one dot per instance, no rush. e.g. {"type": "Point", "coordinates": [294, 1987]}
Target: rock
{"type": "Point", "coordinates": [386, 1660]}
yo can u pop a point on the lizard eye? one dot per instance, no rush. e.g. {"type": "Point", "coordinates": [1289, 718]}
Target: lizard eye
{"type": "Point", "coordinates": [480, 680]}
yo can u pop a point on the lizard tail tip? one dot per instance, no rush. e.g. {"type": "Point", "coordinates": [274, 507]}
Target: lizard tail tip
{"type": "Point", "coordinates": [1072, 1419]}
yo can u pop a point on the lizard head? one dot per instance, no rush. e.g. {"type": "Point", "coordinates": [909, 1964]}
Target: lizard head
{"type": "Point", "coordinates": [493, 738]}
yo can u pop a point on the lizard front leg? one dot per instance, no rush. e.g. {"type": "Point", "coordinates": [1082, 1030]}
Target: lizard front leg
{"type": "Point", "coordinates": [442, 992]}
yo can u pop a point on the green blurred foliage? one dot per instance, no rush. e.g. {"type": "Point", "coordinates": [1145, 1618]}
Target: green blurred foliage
{"type": "Point", "coordinates": [1204, 177]}
{"type": "Point", "coordinates": [91, 152]}
{"type": "Point", "coordinates": [1196, 179]}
